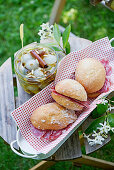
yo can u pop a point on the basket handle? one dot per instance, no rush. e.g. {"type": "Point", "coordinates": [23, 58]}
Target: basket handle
{"type": "Point", "coordinates": [111, 42]}
{"type": "Point", "coordinates": [20, 154]}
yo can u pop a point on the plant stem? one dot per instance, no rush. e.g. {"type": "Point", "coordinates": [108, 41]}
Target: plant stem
{"type": "Point", "coordinates": [62, 49]}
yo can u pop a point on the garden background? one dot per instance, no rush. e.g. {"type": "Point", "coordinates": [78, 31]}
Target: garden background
{"type": "Point", "coordinates": [86, 21]}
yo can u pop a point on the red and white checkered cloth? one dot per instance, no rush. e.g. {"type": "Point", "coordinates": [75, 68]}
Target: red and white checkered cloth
{"type": "Point", "coordinates": [99, 49]}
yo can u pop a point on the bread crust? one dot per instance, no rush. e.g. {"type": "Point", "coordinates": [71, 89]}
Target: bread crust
{"type": "Point", "coordinates": [52, 116]}
{"type": "Point", "coordinates": [93, 95]}
{"type": "Point", "coordinates": [66, 102]}
{"type": "Point", "coordinates": [71, 88]}
{"type": "Point", "coordinates": [91, 74]}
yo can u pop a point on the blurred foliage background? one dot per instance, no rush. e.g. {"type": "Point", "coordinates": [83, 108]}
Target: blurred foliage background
{"type": "Point", "coordinates": [87, 21]}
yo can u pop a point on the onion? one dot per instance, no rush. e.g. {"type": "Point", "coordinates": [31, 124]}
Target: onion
{"type": "Point", "coordinates": [26, 57]}
{"type": "Point", "coordinates": [32, 64]}
{"type": "Point", "coordinates": [50, 59]}
{"type": "Point", "coordinates": [38, 73]}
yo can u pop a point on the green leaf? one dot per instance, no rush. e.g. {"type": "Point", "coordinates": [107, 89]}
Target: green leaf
{"type": "Point", "coordinates": [56, 48]}
{"type": "Point", "coordinates": [94, 125]}
{"type": "Point", "coordinates": [111, 133]}
{"type": "Point", "coordinates": [57, 33]}
{"type": "Point", "coordinates": [112, 101]}
{"type": "Point", "coordinates": [111, 119]}
{"type": "Point", "coordinates": [94, 113]}
{"type": "Point", "coordinates": [101, 108]}
{"type": "Point", "coordinates": [67, 48]}
{"type": "Point", "coordinates": [65, 35]}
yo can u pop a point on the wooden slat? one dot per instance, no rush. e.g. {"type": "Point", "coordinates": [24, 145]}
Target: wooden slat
{"type": "Point", "coordinates": [70, 149]}
{"type": "Point", "coordinates": [90, 161]}
{"type": "Point", "coordinates": [56, 11]}
{"type": "Point", "coordinates": [7, 104]}
{"type": "Point", "coordinates": [22, 95]}
{"type": "Point", "coordinates": [43, 165]}
{"type": "Point", "coordinates": [84, 160]}
{"type": "Point", "coordinates": [89, 149]}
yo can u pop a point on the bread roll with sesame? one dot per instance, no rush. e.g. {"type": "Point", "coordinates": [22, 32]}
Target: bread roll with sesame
{"type": "Point", "coordinates": [70, 94]}
{"type": "Point", "coordinates": [52, 116]}
{"type": "Point", "coordinates": [91, 74]}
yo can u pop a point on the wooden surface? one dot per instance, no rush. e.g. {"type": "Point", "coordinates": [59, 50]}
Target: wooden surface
{"type": "Point", "coordinates": [56, 11]}
{"type": "Point", "coordinates": [22, 95]}
{"type": "Point", "coordinates": [70, 149]}
{"type": "Point", "coordinates": [7, 105]}
{"type": "Point", "coordinates": [43, 165]}
{"type": "Point", "coordinates": [98, 163]}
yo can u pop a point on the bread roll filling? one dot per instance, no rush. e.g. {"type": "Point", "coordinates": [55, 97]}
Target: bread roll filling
{"type": "Point", "coordinates": [47, 134]}
{"type": "Point", "coordinates": [82, 103]}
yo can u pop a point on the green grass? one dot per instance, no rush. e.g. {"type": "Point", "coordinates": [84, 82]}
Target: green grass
{"type": "Point", "coordinates": [87, 21]}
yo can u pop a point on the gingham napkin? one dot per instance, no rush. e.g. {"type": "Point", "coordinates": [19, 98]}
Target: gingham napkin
{"type": "Point", "coordinates": [99, 49]}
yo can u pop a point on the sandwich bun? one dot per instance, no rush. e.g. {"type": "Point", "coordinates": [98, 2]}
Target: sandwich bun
{"type": "Point", "coordinates": [91, 74]}
{"type": "Point", "coordinates": [52, 116]}
{"type": "Point", "coordinates": [69, 89]}
{"type": "Point", "coordinates": [93, 95]}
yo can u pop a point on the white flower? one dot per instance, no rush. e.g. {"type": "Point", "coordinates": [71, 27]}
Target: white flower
{"type": "Point", "coordinates": [98, 140]}
{"type": "Point", "coordinates": [46, 31]}
{"type": "Point", "coordinates": [104, 101]}
{"type": "Point", "coordinates": [45, 26]}
{"type": "Point", "coordinates": [94, 133]}
{"type": "Point", "coordinates": [100, 136]}
{"type": "Point", "coordinates": [51, 26]}
{"type": "Point", "coordinates": [91, 142]}
{"type": "Point", "coordinates": [105, 128]}
{"type": "Point", "coordinates": [41, 32]}
{"type": "Point", "coordinates": [110, 108]}
{"type": "Point", "coordinates": [86, 136]}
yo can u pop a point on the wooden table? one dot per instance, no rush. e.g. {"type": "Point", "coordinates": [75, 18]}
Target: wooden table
{"type": "Point", "coordinates": [71, 149]}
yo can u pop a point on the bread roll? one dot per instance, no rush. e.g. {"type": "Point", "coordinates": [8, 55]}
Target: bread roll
{"type": "Point", "coordinates": [66, 102]}
{"type": "Point", "coordinates": [52, 116]}
{"type": "Point", "coordinates": [91, 74]}
{"type": "Point", "coordinates": [69, 89]}
{"type": "Point", "coordinates": [93, 95]}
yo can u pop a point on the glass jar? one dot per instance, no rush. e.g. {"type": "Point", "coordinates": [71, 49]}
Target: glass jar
{"type": "Point", "coordinates": [28, 81]}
